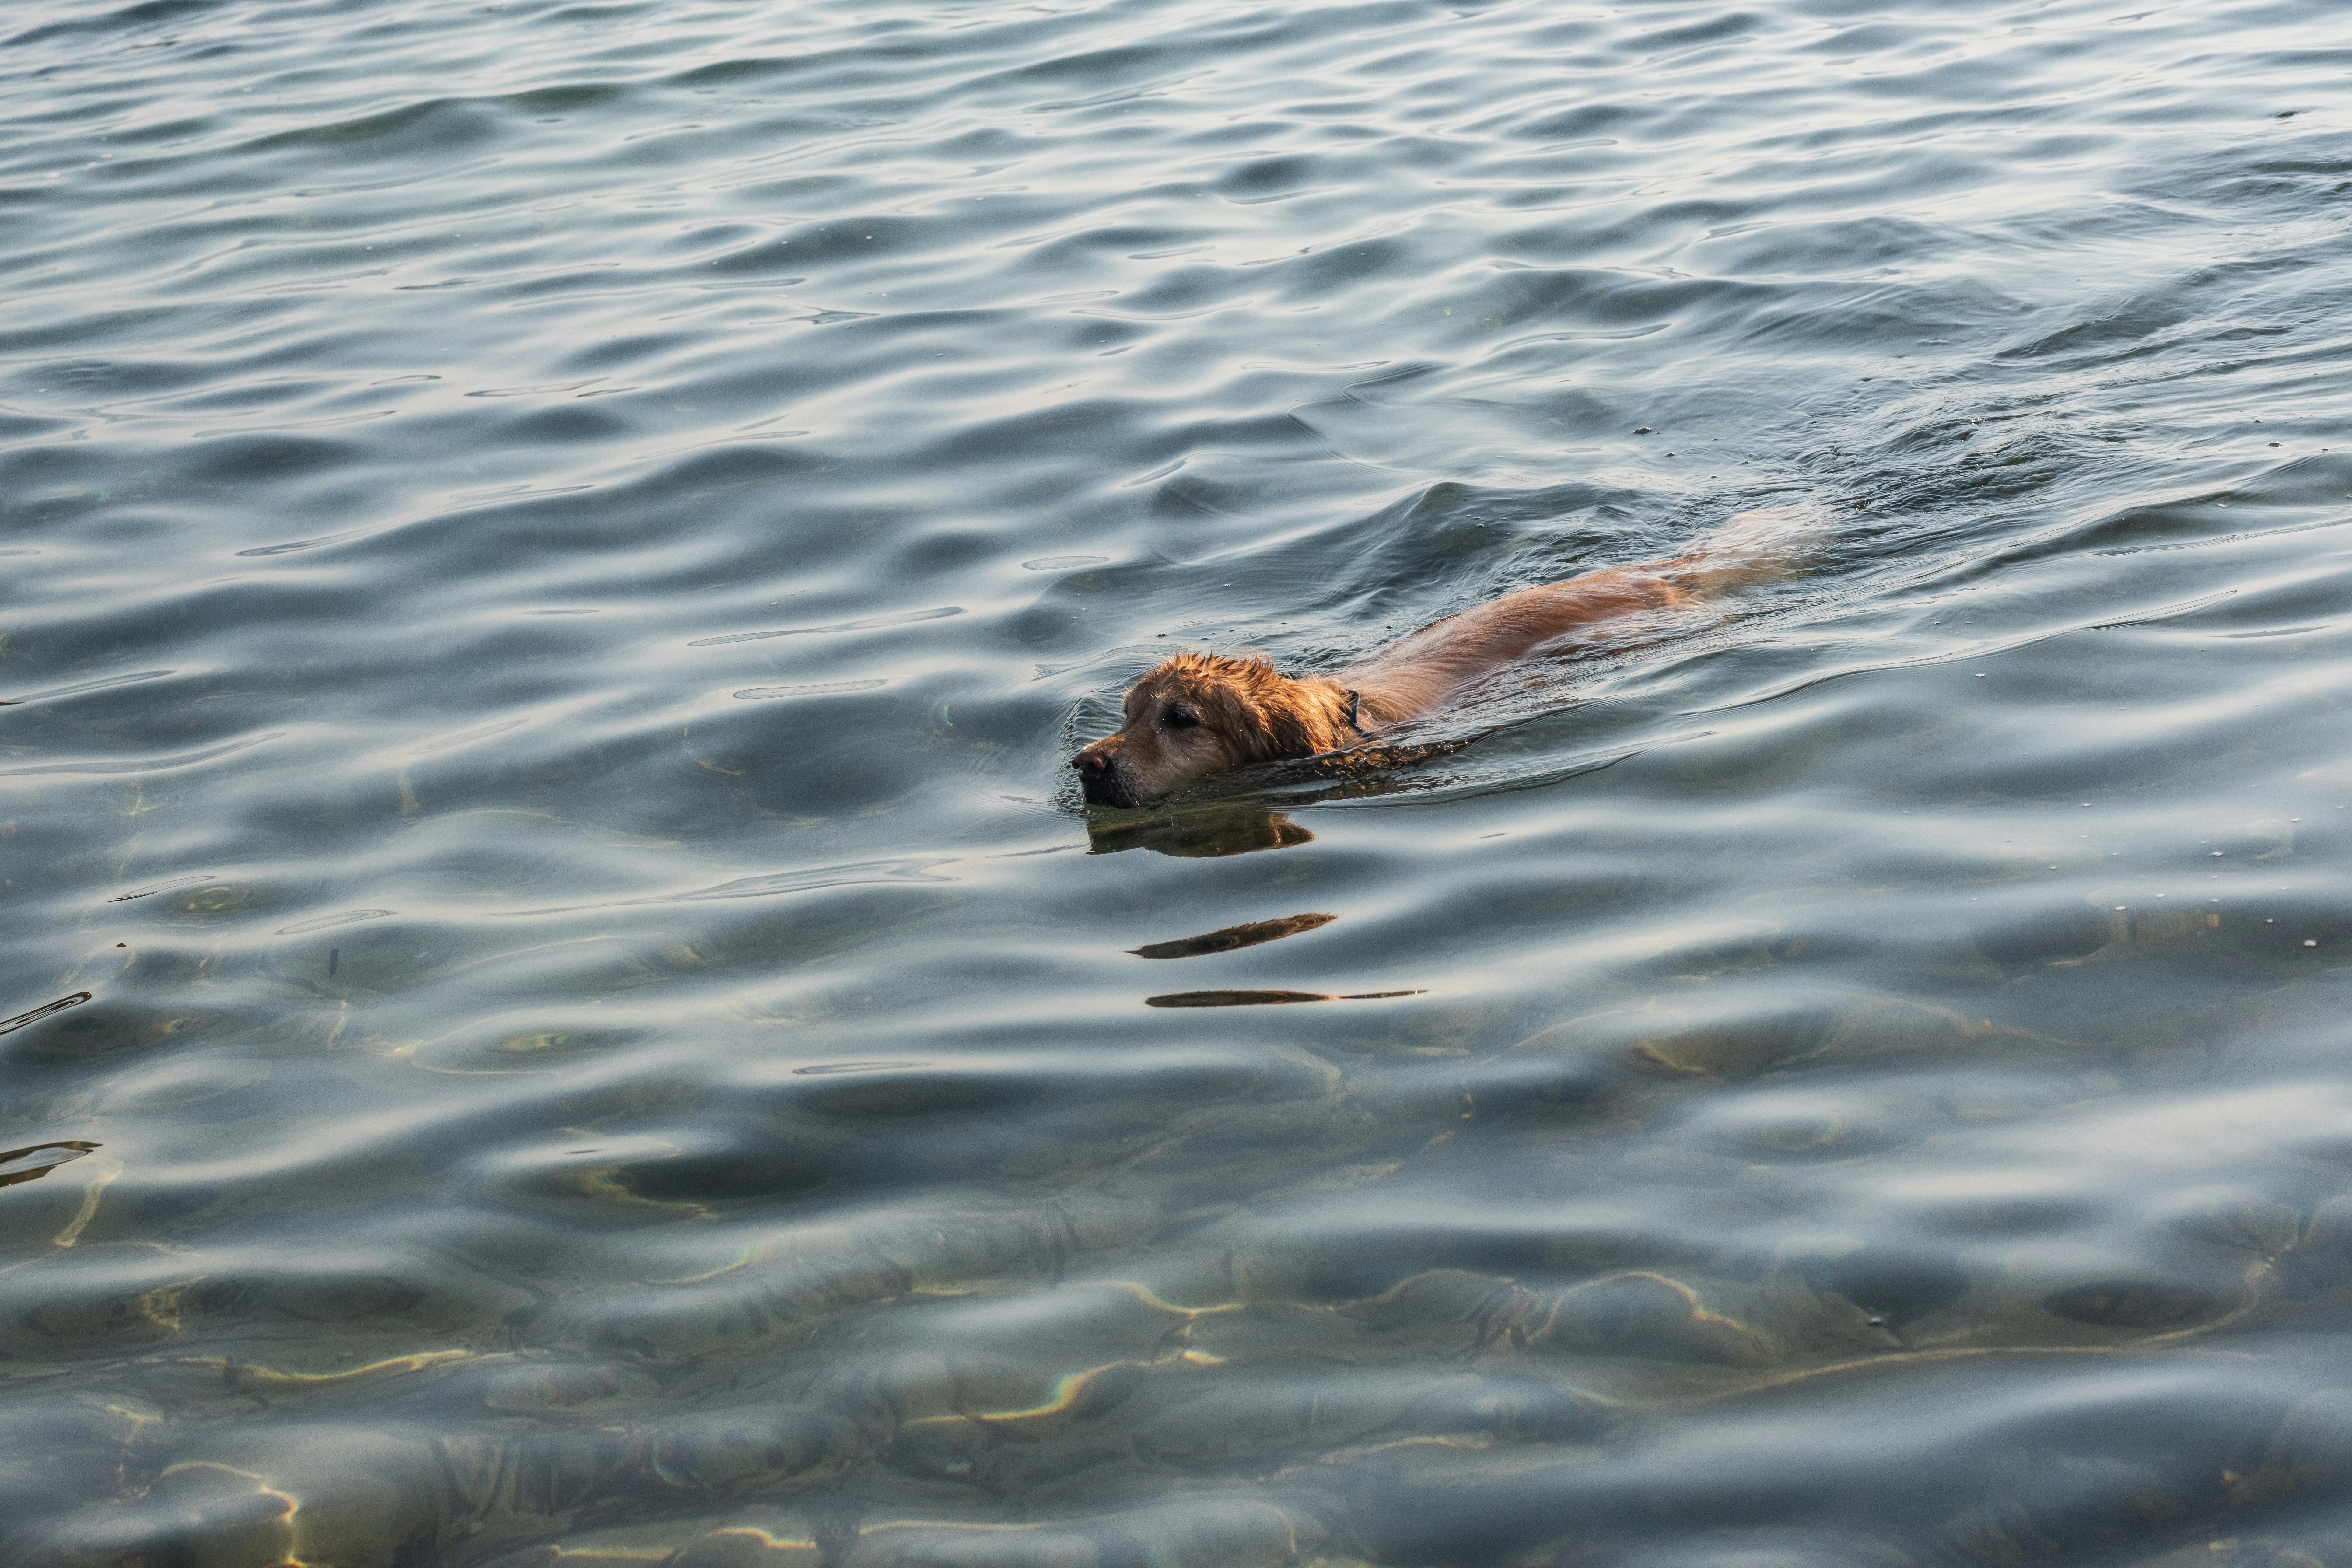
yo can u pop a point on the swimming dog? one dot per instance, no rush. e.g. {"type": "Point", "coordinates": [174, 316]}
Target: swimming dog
{"type": "Point", "coordinates": [1200, 713]}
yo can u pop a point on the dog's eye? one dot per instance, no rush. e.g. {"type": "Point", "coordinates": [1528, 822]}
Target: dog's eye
{"type": "Point", "coordinates": [1179, 718]}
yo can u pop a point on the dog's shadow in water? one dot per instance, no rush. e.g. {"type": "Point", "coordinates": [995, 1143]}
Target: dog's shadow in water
{"type": "Point", "coordinates": [1205, 821]}
{"type": "Point", "coordinates": [1197, 832]}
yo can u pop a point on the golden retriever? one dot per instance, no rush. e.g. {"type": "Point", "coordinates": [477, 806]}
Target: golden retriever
{"type": "Point", "coordinates": [1201, 713]}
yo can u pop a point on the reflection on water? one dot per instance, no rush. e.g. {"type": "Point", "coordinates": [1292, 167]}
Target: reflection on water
{"type": "Point", "coordinates": [35, 1014]}
{"type": "Point", "coordinates": [1262, 998]}
{"type": "Point", "coordinates": [1234, 937]}
{"type": "Point", "coordinates": [1197, 833]}
{"type": "Point", "coordinates": [24, 1164]}
{"type": "Point", "coordinates": [563, 1011]}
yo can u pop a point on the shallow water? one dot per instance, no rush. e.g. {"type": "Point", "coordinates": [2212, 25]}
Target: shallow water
{"type": "Point", "coordinates": [560, 1008]}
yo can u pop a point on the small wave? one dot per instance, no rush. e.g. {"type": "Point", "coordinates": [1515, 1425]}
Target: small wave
{"type": "Point", "coordinates": [868, 623]}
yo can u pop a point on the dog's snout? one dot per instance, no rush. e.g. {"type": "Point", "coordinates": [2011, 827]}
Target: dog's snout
{"type": "Point", "coordinates": [1100, 779]}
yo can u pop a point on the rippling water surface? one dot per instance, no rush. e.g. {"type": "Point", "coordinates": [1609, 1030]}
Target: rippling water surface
{"type": "Point", "coordinates": [560, 1006]}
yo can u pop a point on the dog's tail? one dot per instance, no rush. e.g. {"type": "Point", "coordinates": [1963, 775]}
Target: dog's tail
{"type": "Point", "coordinates": [1769, 544]}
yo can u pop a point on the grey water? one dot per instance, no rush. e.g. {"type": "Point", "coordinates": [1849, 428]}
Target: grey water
{"type": "Point", "coordinates": [559, 1006]}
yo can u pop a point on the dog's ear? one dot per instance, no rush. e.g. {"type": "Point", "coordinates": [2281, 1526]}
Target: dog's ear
{"type": "Point", "coordinates": [1295, 726]}
{"type": "Point", "coordinates": [1275, 718]}
{"type": "Point", "coordinates": [1230, 712]}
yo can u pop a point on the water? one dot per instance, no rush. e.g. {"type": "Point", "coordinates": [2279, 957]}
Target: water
{"type": "Point", "coordinates": [560, 1008]}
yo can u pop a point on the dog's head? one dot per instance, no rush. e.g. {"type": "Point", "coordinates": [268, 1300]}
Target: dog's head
{"type": "Point", "coordinates": [1201, 713]}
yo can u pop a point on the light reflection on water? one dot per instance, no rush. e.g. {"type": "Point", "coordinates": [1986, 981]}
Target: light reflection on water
{"type": "Point", "coordinates": [565, 1011]}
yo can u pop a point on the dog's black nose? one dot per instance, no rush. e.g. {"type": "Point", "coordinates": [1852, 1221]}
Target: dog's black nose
{"type": "Point", "coordinates": [1098, 774]}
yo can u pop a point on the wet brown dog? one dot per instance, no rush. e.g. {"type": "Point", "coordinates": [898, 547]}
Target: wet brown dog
{"type": "Point", "coordinates": [1200, 713]}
